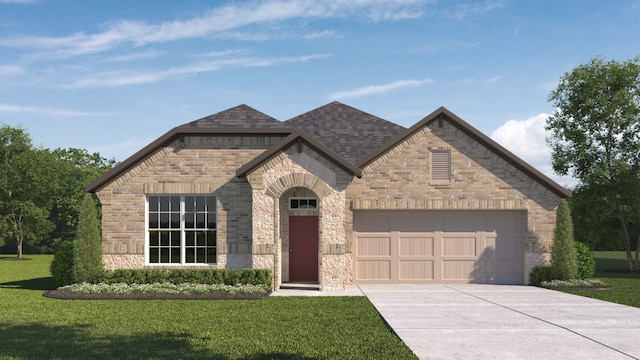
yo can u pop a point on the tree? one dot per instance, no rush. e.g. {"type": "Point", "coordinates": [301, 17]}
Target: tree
{"type": "Point", "coordinates": [77, 168]}
{"type": "Point", "coordinates": [595, 136]}
{"type": "Point", "coordinates": [563, 251]}
{"type": "Point", "coordinates": [88, 246]}
{"type": "Point", "coordinates": [25, 182]}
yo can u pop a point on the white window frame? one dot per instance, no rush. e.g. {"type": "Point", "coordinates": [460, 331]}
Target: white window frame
{"type": "Point", "coordinates": [291, 199]}
{"type": "Point", "coordinates": [183, 230]}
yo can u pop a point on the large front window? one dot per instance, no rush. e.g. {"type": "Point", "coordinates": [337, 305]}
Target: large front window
{"type": "Point", "coordinates": [182, 229]}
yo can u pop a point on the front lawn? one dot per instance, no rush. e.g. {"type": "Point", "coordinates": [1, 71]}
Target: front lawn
{"type": "Point", "coordinates": [626, 287]}
{"type": "Point", "coordinates": [35, 327]}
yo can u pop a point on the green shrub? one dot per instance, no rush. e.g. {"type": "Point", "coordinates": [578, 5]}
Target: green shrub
{"type": "Point", "coordinates": [193, 276]}
{"type": "Point", "coordinates": [584, 260]}
{"type": "Point", "coordinates": [563, 252]}
{"type": "Point", "coordinates": [62, 264]}
{"type": "Point", "coordinates": [540, 274]}
{"type": "Point", "coordinates": [88, 247]}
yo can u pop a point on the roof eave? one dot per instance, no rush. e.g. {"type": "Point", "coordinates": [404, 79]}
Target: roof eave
{"type": "Point", "coordinates": [170, 136]}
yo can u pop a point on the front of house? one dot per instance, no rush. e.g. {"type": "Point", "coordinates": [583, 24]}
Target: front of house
{"type": "Point", "coordinates": [332, 197]}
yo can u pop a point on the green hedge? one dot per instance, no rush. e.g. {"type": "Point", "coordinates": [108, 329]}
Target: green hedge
{"type": "Point", "coordinates": [540, 274]}
{"type": "Point", "coordinates": [196, 276]}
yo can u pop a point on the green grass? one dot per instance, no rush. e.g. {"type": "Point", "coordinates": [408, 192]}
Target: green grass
{"type": "Point", "coordinates": [35, 327]}
{"type": "Point", "coordinates": [626, 287]}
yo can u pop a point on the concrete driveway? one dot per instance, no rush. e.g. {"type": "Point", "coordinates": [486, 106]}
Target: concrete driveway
{"type": "Point", "coordinates": [506, 322]}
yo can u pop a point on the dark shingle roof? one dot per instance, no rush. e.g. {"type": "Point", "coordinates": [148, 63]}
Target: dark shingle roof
{"type": "Point", "coordinates": [351, 133]}
{"type": "Point", "coordinates": [242, 116]}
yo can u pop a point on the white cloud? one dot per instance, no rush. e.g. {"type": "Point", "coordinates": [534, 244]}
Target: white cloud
{"type": "Point", "coordinates": [115, 79]}
{"type": "Point", "coordinates": [17, 109]}
{"type": "Point", "coordinates": [474, 81]}
{"type": "Point", "coordinates": [462, 11]}
{"type": "Point", "coordinates": [379, 89]}
{"type": "Point", "coordinates": [527, 140]}
{"type": "Point", "coordinates": [11, 70]}
{"type": "Point", "coordinates": [218, 20]}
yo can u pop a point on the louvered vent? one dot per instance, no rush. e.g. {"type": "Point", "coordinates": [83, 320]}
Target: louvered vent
{"type": "Point", "coordinates": [440, 165]}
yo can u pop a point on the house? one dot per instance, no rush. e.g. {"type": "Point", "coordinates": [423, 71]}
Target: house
{"type": "Point", "coordinates": [332, 197]}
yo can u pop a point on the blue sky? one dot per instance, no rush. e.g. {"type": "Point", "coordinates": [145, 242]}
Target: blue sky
{"type": "Point", "coordinates": [112, 76]}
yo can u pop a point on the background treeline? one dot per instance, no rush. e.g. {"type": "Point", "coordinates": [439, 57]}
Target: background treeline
{"type": "Point", "coordinates": [41, 192]}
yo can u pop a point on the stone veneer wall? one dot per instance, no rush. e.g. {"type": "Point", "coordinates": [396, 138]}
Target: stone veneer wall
{"type": "Point", "coordinates": [198, 165]}
{"type": "Point", "coordinates": [480, 180]}
{"type": "Point", "coordinates": [270, 183]}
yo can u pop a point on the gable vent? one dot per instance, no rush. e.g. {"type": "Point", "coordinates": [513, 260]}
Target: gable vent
{"type": "Point", "coordinates": [440, 165]}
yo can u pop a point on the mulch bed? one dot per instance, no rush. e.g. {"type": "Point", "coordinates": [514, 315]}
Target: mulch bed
{"type": "Point", "coordinates": [68, 295]}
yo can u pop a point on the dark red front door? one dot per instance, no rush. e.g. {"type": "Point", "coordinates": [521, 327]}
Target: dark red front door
{"type": "Point", "coordinates": [303, 248]}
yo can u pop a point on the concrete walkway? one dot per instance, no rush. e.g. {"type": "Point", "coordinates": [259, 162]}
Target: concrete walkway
{"type": "Point", "coordinates": [506, 322]}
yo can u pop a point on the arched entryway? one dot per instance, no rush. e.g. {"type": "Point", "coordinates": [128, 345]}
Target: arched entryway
{"type": "Point", "coordinates": [300, 236]}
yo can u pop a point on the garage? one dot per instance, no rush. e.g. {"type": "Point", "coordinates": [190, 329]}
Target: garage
{"type": "Point", "coordinates": [439, 247]}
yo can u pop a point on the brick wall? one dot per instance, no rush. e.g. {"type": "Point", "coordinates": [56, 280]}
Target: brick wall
{"type": "Point", "coordinates": [201, 165]}
{"type": "Point", "coordinates": [480, 180]}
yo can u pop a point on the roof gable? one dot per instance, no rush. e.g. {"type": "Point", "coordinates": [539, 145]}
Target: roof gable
{"type": "Point", "coordinates": [351, 133]}
{"type": "Point", "coordinates": [242, 116]}
{"type": "Point", "coordinates": [442, 114]}
{"type": "Point", "coordinates": [298, 136]}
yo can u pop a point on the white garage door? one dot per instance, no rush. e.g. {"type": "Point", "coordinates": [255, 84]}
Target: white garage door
{"type": "Point", "coordinates": [484, 247]}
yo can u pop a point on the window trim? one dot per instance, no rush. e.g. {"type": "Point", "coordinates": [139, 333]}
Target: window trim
{"type": "Point", "coordinates": [182, 229]}
{"type": "Point", "coordinates": [291, 199]}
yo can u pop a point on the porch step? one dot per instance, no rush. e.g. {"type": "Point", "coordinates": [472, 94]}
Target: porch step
{"type": "Point", "coordinates": [299, 286]}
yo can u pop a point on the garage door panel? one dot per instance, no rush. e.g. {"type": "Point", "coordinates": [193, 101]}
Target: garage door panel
{"type": "Point", "coordinates": [374, 246]}
{"type": "Point", "coordinates": [498, 272]}
{"type": "Point", "coordinates": [416, 270]}
{"type": "Point", "coordinates": [378, 270]}
{"type": "Point", "coordinates": [454, 246]}
{"type": "Point", "coordinates": [458, 269]}
{"type": "Point", "coordinates": [459, 245]}
{"type": "Point", "coordinates": [416, 245]}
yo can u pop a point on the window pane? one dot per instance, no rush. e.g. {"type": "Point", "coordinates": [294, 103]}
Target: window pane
{"type": "Point", "coordinates": [201, 201]}
{"type": "Point", "coordinates": [295, 204]}
{"type": "Point", "coordinates": [153, 203]}
{"type": "Point", "coordinates": [200, 221]}
{"type": "Point", "coordinates": [153, 221]}
{"type": "Point", "coordinates": [190, 238]}
{"type": "Point", "coordinates": [175, 238]}
{"type": "Point", "coordinates": [201, 255]}
{"type": "Point", "coordinates": [191, 256]}
{"type": "Point", "coordinates": [200, 238]}
{"type": "Point", "coordinates": [164, 220]}
{"type": "Point", "coordinates": [211, 203]}
{"type": "Point", "coordinates": [211, 255]}
{"type": "Point", "coordinates": [313, 203]}
{"type": "Point", "coordinates": [189, 221]}
{"type": "Point", "coordinates": [175, 220]}
{"type": "Point", "coordinates": [164, 255]}
{"type": "Point", "coordinates": [175, 255]}
{"type": "Point", "coordinates": [175, 203]}
{"type": "Point", "coordinates": [211, 220]}
{"type": "Point", "coordinates": [189, 203]}
{"type": "Point", "coordinates": [164, 203]}
{"type": "Point", "coordinates": [164, 238]}
{"type": "Point", "coordinates": [211, 238]}
{"type": "Point", "coordinates": [154, 240]}
{"type": "Point", "coordinates": [154, 255]}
